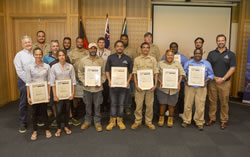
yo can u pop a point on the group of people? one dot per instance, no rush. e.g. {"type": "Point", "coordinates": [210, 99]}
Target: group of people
{"type": "Point", "coordinates": [47, 62]}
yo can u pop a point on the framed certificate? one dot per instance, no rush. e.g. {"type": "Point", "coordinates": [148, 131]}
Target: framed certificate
{"type": "Point", "coordinates": [39, 92]}
{"type": "Point", "coordinates": [63, 89]}
{"type": "Point", "coordinates": [92, 75]}
{"type": "Point", "coordinates": [196, 76]}
{"type": "Point", "coordinates": [119, 76]}
{"type": "Point", "coordinates": [145, 79]}
{"type": "Point", "coordinates": [177, 58]}
{"type": "Point", "coordinates": [170, 78]}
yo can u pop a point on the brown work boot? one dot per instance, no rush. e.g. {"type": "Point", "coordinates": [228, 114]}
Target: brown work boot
{"type": "Point", "coordinates": [85, 125]}
{"type": "Point", "coordinates": [120, 123]}
{"type": "Point", "coordinates": [98, 127]}
{"type": "Point", "coordinates": [170, 122]}
{"type": "Point", "coordinates": [161, 121]}
{"type": "Point", "coordinates": [151, 126]}
{"type": "Point", "coordinates": [135, 125]}
{"type": "Point", "coordinates": [210, 122]}
{"type": "Point", "coordinates": [112, 123]}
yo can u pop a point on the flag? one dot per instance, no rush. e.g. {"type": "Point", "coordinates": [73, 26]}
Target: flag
{"type": "Point", "coordinates": [82, 34]}
{"type": "Point", "coordinates": [106, 33]}
{"type": "Point", "coordinates": [124, 27]}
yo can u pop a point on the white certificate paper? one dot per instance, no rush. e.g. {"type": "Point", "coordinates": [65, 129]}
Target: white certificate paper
{"type": "Point", "coordinates": [170, 78]}
{"type": "Point", "coordinates": [177, 58]}
{"type": "Point", "coordinates": [63, 89]}
{"type": "Point", "coordinates": [119, 76]}
{"type": "Point", "coordinates": [92, 75]}
{"type": "Point", "coordinates": [39, 92]}
{"type": "Point", "coordinates": [196, 76]}
{"type": "Point", "coordinates": [145, 79]}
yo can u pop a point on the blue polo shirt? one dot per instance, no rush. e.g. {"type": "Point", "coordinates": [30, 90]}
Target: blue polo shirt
{"type": "Point", "coordinates": [48, 58]}
{"type": "Point", "coordinates": [183, 58]}
{"type": "Point", "coordinates": [208, 68]}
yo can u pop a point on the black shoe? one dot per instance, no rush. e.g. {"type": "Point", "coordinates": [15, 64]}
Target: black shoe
{"type": "Point", "coordinates": [127, 111]}
{"type": "Point", "coordinates": [22, 129]}
{"type": "Point", "coordinates": [40, 124]}
{"type": "Point", "coordinates": [200, 127]}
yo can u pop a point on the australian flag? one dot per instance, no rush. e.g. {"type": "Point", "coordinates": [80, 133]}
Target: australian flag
{"type": "Point", "coordinates": [106, 33]}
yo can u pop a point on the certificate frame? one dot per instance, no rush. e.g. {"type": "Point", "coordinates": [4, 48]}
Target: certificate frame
{"type": "Point", "coordinates": [196, 76]}
{"type": "Point", "coordinates": [177, 58]}
{"type": "Point", "coordinates": [119, 79]}
{"type": "Point", "coordinates": [37, 88]}
{"type": "Point", "coordinates": [165, 78]}
{"type": "Point", "coordinates": [97, 81]}
{"type": "Point", "coordinates": [63, 89]}
{"type": "Point", "coordinates": [141, 79]}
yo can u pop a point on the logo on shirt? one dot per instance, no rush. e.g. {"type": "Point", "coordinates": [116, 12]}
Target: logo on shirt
{"type": "Point", "coordinates": [67, 69]}
{"type": "Point", "coordinates": [226, 57]}
{"type": "Point", "coordinates": [125, 62]}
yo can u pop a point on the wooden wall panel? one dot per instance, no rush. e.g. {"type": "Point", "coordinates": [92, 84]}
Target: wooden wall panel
{"type": "Point", "coordinates": [248, 10]}
{"type": "Point", "coordinates": [1, 6]}
{"type": "Point", "coordinates": [138, 8]}
{"type": "Point", "coordinates": [4, 92]}
{"type": "Point", "coordinates": [37, 6]}
{"type": "Point", "coordinates": [74, 8]}
{"type": "Point", "coordinates": [101, 7]}
{"type": "Point", "coordinates": [74, 30]}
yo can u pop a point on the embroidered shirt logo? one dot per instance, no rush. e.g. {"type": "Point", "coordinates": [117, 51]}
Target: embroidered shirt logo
{"type": "Point", "coordinates": [226, 57]}
{"type": "Point", "coordinates": [125, 62]}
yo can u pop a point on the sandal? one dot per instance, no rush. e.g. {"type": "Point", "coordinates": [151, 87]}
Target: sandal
{"type": "Point", "coordinates": [67, 131]}
{"type": "Point", "coordinates": [58, 133]}
{"type": "Point", "coordinates": [48, 134]}
{"type": "Point", "coordinates": [33, 136]}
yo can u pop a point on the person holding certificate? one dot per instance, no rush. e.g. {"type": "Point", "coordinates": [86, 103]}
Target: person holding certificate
{"type": "Point", "coordinates": [181, 59]}
{"type": "Point", "coordinates": [38, 72]}
{"type": "Point", "coordinates": [198, 72]}
{"type": "Point", "coordinates": [170, 76]}
{"type": "Point", "coordinates": [145, 72]}
{"type": "Point", "coordinates": [21, 61]}
{"type": "Point", "coordinates": [92, 75]}
{"type": "Point", "coordinates": [63, 83]}
{"type": "Point", "coordinates": [119, 73]}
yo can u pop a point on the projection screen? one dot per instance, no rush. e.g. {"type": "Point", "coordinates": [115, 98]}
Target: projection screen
{"type": "Point", "coordinates": [182, 24]}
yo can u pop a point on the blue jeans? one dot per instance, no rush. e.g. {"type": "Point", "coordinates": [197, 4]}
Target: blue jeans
{"type": "Point", "coordinates": [128, 98]}
{"type": "Point", "coordinates": [23, 102]}
{"type": "Point", "coordinates": [117, 97]}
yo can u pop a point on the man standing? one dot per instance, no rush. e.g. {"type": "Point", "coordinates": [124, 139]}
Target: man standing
{"type": "Point", "coordinates": [198, 42]}
{"type": "Point", "coordinates": [93, 94]}
{"type": "Point", "coordinates": [144, 62]}
{"type": "Point", "coordinates": [154, 49]}
{"type": "Point", "coordinates": [117, 94]}
{"type": "Point", "coordinates": [223, 62]}
{"type": "Point", "coordinates": [104, 53]}
{"type": "Point", "coordinates": [130, 91]}
{"type": "Point", "coordinates": [67, 44]}
{"type": "Point", "coordinates": [196, 94]}
{"type": "Point", "coordinates": [21, 61]}
{"type": "Point", "coordinates": [75, 56]}
{"type": "Point", "coordinates": [41, 42]}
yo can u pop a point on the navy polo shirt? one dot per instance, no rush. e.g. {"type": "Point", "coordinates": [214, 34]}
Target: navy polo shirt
{"type": "Point", "coordinates": [115, 61]}
{"type": "Point", "coordinates": [221, 62]}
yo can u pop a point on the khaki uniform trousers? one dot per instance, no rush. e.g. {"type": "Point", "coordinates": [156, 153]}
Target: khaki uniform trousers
{"type": "Point", "coordinates": [197, 96]}
{"type": "Point", "coordinates": [149, 100]}
{"type": "Point", "coordinates": [221, 90]}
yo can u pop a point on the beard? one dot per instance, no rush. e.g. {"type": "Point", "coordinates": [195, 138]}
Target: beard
{"type": "Point", "coordinates": [92, 53]}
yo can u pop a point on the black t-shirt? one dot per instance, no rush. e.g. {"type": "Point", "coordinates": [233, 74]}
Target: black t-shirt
{"type": "Point", "coordinates": [221, 62]}
{"type": "Point", "coordinates": [115, 61]}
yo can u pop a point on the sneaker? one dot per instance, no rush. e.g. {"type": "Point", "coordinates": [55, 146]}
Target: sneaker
{"type": "Point", "coordinates": [40, 124]}
{"type": "Point", "coordinates": [200, 127]}
{"type": "Point", "coordinates": [53, 124]}
{"type": "Point", "coordinates": [22, 129]}
{"type": "Point", "coordinates": [127, 111]}
{"type": "Point", "coordinates": [75, 122]}
{"type": "Point", "coordinates": [70, 121]}
{"type": "Point", "coordinates": [184, 125]}
{"type": "Point", "coordinates": [167, 113]}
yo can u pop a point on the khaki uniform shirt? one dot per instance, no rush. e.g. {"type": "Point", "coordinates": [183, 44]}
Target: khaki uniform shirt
{"type": "Point", "coordinates": [130, 52]}
{"type": "Point", "coordinates": [174, 65]}
{"type": "Point", "coordinates": [87, 61]}
{"type": "Point", "coordinates": [75, 56]}
{"type": "Point", "coordinates": [45, 48]}
{"type": "Point", "coordinates": [145, 63]}
{"type": "Point", "coordinates": [154, 51]}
